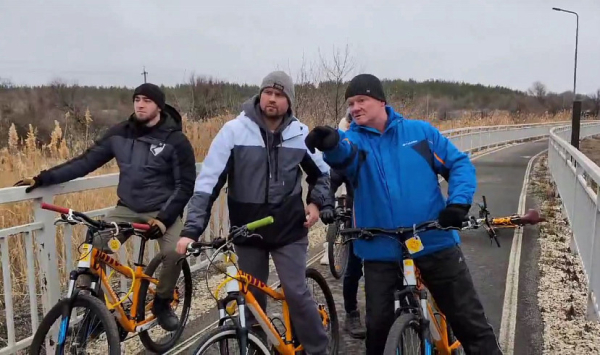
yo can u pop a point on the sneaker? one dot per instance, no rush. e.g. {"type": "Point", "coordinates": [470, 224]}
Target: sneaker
{"type": "Point", "coordinates": [167, 319]}
{"type": "Point", "coordinates": [353, 325]}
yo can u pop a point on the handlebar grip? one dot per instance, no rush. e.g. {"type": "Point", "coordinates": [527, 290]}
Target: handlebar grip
{"type": "Point", "coordinates": [260, 223]}
{"type": "Point", "coordinates": [142, 227]}
{"type": "Point", "coordinates": [55, 208]}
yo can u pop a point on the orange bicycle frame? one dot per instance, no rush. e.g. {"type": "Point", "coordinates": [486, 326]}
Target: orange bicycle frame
{"type": "Point", "coordinates": [129, 323]}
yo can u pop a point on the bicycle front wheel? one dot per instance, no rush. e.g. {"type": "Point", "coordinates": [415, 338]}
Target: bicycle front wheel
{"type": "Point", "coordinates": [405, 337]}
{"type": "Point", "coordinates": [224, 341]}
{"type": "Point", "coordinates": [337, 250]}
{"type": "Point", "coordinates": [85, 328]}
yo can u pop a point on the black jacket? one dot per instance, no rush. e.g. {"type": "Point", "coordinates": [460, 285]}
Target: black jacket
{"type": "Point", "coordinates": [263, 173]}
{"type": "Point", "coordinates": [337, 179]}
{"type": "Point", "coordinates": [157, 165]}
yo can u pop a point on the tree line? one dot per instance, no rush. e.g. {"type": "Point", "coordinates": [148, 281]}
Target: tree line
{"type": "Point", "coordinates": [319, 95]}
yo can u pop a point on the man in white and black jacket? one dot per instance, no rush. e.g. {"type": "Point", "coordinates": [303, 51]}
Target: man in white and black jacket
{"type": "Point", "coordinates": [260, 154]}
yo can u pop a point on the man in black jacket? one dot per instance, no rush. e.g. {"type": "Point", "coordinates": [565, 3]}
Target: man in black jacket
{"type": "Point", "coordinates": [156, 180]}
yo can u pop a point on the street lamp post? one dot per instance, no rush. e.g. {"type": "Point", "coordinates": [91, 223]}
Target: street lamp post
{"type": "Point", "coordinates": [576, 104]}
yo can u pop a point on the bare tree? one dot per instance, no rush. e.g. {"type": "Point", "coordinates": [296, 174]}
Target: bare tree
{"type": "Point", "coordinates": [335, 72]}
{"type": "Point", "coordinates": [596, 101]}
{"type": "Point", "coordinates": [65, 96]}
{"type": "Point", "coordinates": [538, 90]}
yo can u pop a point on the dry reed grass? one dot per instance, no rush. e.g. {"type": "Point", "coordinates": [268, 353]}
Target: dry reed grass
{"type": "Point", "coordinates": [23, 157]}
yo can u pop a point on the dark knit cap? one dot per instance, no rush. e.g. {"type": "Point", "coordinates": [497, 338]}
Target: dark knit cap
{"type": "Point", "coordinates": [152, 92]}
{"type": "Point", "coordinates": [365, 84]}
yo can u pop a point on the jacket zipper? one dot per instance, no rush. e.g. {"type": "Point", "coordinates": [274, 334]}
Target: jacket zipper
{"type": "Point", "coordinates": [268, 167]}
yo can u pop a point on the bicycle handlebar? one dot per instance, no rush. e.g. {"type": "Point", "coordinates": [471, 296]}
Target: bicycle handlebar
{"type": "Point", "coordinates": [425, 226]}
{"type": "Point", "coordinates": [195, 248]}
{"type": "Point", "coordinates": [95, 223]}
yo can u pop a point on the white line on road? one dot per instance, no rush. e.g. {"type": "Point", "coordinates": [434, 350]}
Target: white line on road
{"type": "Point", "coordinates": [508, 324]}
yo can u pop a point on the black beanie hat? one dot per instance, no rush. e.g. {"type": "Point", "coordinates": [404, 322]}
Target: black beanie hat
{"type": "Point", "coordinates": [153, 93]}
{"type": "Point", "coordinates": [365, 84]}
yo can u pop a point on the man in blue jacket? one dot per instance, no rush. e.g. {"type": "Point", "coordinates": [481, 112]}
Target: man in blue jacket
{"type": "Point", "coordinates": [395, 163]}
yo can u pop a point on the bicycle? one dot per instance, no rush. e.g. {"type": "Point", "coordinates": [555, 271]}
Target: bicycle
{"type": "Point", "coordinates": [232, 324]}
{"type": "Point", "coordinates": [116, 320]}
{"type": "Point", "coordinates": [338, 251]}
{"type": "Point", "coordinates": [413, 305]}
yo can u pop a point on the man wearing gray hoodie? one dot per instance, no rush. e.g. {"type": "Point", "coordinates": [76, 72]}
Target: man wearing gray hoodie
{"type": "Point", "coordinates": [260, 154]}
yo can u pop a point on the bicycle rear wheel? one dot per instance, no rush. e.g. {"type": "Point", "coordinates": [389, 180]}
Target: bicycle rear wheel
{"type": "Point", "coordinates": [102, 322]}
{"type": "Point", "coordinates": [337, 250]}
{"type": "Point", "coordinates": [326, 307]}
{"type": "Point", "coordinates": [164, 340]}
{"type": "Point", "coordinates": [405, 337]}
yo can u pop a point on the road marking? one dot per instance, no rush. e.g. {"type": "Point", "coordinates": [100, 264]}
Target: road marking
{"type": "Point", "coordinates": [508, 324]}
{"type": "Point", "coordinates": [190, 340]}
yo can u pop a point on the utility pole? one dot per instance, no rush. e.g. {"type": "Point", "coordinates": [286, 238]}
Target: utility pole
{"type": "Point", "coordinates": [576, 118]}
{"type": "Point", "coordinates": [144, 73]}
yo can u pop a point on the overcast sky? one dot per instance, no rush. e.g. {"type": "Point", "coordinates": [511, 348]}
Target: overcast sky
{"type": "Point", "coordinates": [498, 42]}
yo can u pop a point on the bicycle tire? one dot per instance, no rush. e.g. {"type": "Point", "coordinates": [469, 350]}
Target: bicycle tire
{"type": "Point", "coordinates": [229, 332]}
{"type": "Point", "coordinates": [403, 322]}
{"type": "Point", "coordinates": [332, 235]}
{"type": "Point", "coordinates": [81, 300]}
{"type": "Point", "coordinates": [333, 318]}
{"type": "Point", "coordinates": [144, 336]}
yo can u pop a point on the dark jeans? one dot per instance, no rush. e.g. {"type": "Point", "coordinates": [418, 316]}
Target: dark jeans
{"type": "Point", "coordinates": [448, 279]}
{"type": "Point", "coordinates": [351, 278]}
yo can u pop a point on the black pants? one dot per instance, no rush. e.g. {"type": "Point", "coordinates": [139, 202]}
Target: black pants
{"type": "Point", "coordinates": [351, 279]}
{"type": "Point", "coordinates": [447, 277]}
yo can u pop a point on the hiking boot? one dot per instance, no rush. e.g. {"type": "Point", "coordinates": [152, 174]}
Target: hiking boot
{"type": "Point", "coordinates": [167, 319]}
{"type": "Point", "coordinates": [353, 325]}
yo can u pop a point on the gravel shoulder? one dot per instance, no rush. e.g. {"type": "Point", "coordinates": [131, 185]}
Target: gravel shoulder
{"type": "Point", "coordinates": [562, 289]}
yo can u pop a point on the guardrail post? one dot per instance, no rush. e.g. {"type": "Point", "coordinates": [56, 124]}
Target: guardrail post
{"type": "Point", "coordinates": [46, 244]}
{"type": "Point", "coordinates": [576, 123]}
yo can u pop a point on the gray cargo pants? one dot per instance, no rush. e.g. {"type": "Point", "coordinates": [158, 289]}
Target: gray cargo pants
{"type": "Point", "coordinates": [290, 263]}
{"type": "Point", "coordinates": [169, 269]}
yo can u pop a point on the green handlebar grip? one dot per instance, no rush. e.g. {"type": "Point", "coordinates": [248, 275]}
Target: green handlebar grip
{"type": "Point", "coordinates": [260, 223]}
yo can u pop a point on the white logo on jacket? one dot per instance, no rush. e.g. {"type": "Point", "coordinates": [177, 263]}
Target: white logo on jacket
{"type": "Point", "coordinates": [156, 149]}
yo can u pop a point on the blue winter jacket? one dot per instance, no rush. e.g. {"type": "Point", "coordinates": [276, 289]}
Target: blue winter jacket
{"type": "Point", "coordinates": [396, 181]}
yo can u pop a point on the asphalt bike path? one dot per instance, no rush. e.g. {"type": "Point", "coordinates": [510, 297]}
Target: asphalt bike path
{"type": "Point", "coordinates": [502, 275]}
{"type": "Point", "coordinates": [500, 177]}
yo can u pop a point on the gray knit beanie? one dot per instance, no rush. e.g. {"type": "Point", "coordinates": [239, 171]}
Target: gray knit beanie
{"type": "Point", "coordinates": [280, 80]}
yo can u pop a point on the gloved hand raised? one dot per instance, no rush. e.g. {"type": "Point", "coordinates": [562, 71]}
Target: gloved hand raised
{"type": "Point", "coordinates": [323, 138]}
{"type": "Point", "coordinates": [453, 215]}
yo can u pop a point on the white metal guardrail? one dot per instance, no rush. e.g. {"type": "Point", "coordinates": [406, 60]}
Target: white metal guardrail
{"type": "Point", "coordinates": [40, 235]}
{"type": "Point", "coordinates": [577, 180]}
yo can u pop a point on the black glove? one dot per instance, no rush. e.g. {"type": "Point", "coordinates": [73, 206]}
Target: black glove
{"type": "Point", "coordinates": [454, 215]}
{"type": "Point", "coordinates": [157, 230]}
{"type": "Point", "coordinates": [30, 183]}
{"type": "Point", "coordinates": [327, 215]}
{"type": "Point", "coordinates": [323, 138]}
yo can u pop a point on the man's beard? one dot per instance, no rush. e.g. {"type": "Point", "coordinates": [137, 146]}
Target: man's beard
{"type": "Point", "coordinates": [144, 121]}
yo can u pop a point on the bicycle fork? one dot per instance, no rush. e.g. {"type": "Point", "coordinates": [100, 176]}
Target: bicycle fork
{"type": "Point", "coordinates": [410, 288]}
{"type": "Point", "coordinates": [233, 293]}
